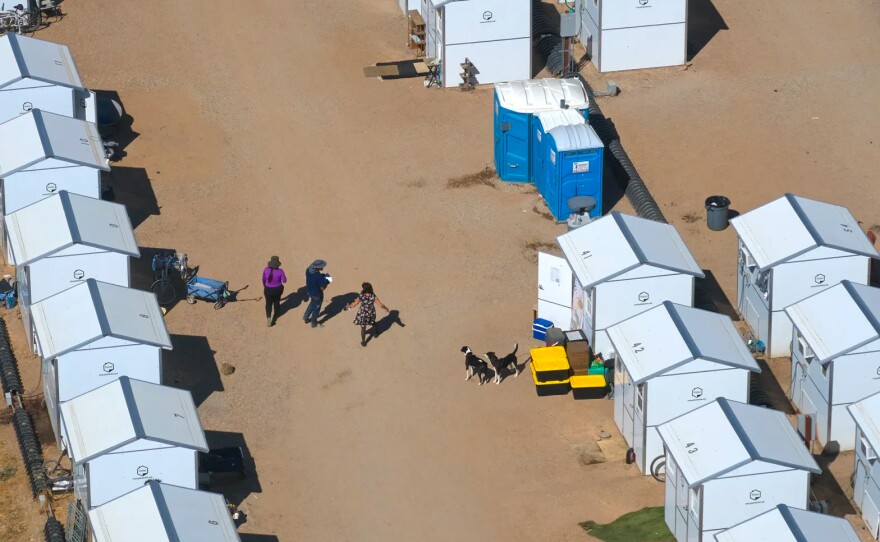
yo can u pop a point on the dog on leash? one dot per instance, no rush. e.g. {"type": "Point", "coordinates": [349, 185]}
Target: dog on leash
{"type": "Point", "coordinates": [473, 365]}
{"type": "Point", "coordinates": [501, 364]}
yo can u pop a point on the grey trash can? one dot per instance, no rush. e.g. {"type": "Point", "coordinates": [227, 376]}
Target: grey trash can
{"type": "Point", "coordinates": [716, 212]}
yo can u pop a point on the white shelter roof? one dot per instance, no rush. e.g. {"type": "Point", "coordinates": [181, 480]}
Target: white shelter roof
{"type": "Point", "coordinates": [35, 136]}
{"type": "Point", "coordinates": [670, 335]}
{"type": "Point", "coordinates": [560, 117]}
{"type": "Point", "coordinates": [63, 220]}
{"type": "Point", "coordinates": [126, 410]}
{"type": "Point", "coordinates": [576, 137]}
{"type": "Point", "coordinates": [792, 225]}
{"type": "Point", "coordinates": [866, 414]}
{"type": "Point", "coordinates": [724, 435]}
{"type": "Point", "coordinates": [787, 524]}
{"type": "Point", "coordinates": [617, 243]}
{"type": "Point", "coordinates": [24, 57]}
{"type": "Point", "coordinates": [93, 310]}
{"type": "Point", "coordinates": [536, 95]}
{"type": "Point", "coordinates": [160, 512]}
{"type": "Point", "coordinates": [838, 320]}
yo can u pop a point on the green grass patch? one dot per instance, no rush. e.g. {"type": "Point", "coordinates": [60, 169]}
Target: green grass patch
{"type": "Point", "coordinates": [645, 525]}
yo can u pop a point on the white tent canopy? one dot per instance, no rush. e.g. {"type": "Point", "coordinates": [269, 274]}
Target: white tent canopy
{"type": "Point", "coordinates": [92, 310]}
{"type": "Point", "coordinates": [125, 411]}
{"type": "Point", "coordinates": [787, 524]}
{"type": "Point", "coordinates": [616, 243]}
{"type": "Point", "coordinates": [22, 57]}
{"type": "Point", "coordinates": [729, 435]}
{"type": "Point", "coordinates": [164, 513]}
{"type": "Point", "coordinates": [792, 225]}
{"type": "Point", "coordinates": [866, 414]}
{"type": "Point", "coordinates": [838, 320]}
{"type": "Point", "coordinates": [38, 135]}
{"type": "Point", "coordinates": [670, 335]}
{"type": "Point", "coordinates": [63, 220]}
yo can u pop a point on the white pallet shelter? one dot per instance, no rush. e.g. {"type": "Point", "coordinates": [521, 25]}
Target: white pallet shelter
{"type": "Point", "coordinates": [670, 360]}
{"type": "Point", "coordinates": [727, 462]}
{"type": "Point", "coordinates": [44, 153]}
{"type": "Point", "coordinates": [160, 512]}
{"type": "Point", "coordinates": [787, 524]}
{"type": "Point", "coordinates": [92, 334]}
{"type": "Point", "coordinates": [635, 34]}
{"type": "Point", "coordinates": [789, 249]}
{"type": "Point", "coordinates": [128, 432]}
{"type": "Point", "coordinates": [621, 265]}
{"type": "Point", "coordinates": [63, 240]}
{"type": "Point", "coordinates": [835, 359]}
{"type": "Point", "coordinates": [495, 35]}
{"type": "Point", "coordinates": [866, 470]}
{"type": "Point", "coordinates": [38, 74]}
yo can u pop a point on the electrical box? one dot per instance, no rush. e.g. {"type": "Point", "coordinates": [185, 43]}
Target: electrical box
{"type": "Point", "coordinates": [568, 24]}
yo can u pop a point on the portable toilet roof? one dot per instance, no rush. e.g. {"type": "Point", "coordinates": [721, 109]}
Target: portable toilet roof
{"type": "Point", "coordinates": [575, 137]}
{"type": "Point", "coordinates": [160, 512]}
{"type": "Point", "coordinates": [787, 524]}
{"type": "Point", "coordinates": [734, 434]}
{"type": "Point", "coordinates": [536, 95]}
{"type": "Point", "coordinates": [792, 225]}
{"type": "Point", "coordinates": [838, 320]}
{"type": "Point", "coordinates": [124, 411]}
{"type": "Point", "coordinates": [38, 135]}
{"type": "Point", "coordinates": [560, 117]}
{"type": "Point", "coordinates": [866, 414]}
{"type": "Point", "coordinates": [618, 243]}
{"type": "Point", "coordinates": [93, 310]}
{"type": "Point", "coordinates": [670, 335]}
{"type": "Point", "coordinates": [22, 57]}
{"type": "Point", "coordinates": [64, 220]}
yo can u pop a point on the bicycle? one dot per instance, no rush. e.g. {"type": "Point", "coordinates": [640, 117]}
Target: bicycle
{"type": "Point", "coordinates": [162, 265]}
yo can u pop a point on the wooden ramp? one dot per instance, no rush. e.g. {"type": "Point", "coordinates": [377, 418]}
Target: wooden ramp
{"type": "Point", "coordinates": [400, 69]}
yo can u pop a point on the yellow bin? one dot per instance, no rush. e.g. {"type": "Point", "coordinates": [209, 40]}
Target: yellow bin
{"type": "Point", "coordinates": [553, 387]}
{"type": "Point", "coordinates": [588, 386]}
{"type": "Point", "coordinates": [550, 363]}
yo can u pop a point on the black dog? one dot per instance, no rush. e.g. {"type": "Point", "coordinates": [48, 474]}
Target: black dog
{"type": "Point", "coordinates": [474, 366]}
{"type": "Point", "coordinates": [499, 364]}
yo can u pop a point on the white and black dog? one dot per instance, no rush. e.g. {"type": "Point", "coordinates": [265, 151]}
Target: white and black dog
{"type": "Point", "coordinates": [473, 365]}
{"type": "Point", "coordinates": [500, 364]}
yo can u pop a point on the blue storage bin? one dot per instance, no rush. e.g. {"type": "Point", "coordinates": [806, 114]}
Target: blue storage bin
{"type": "Point", "coordinates": [539, 328]}
{"type": "Point", "coordinates": [573, 166]}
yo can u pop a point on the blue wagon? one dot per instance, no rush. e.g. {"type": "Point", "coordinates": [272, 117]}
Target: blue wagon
{"type": "Point", "coordinates": [204, 289]}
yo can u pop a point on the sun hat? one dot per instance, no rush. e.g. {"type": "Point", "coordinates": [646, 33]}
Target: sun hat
{"type": "Point", "coordinates": [274, 262]}
{"type": "Point", "coordinates": [317, 265]}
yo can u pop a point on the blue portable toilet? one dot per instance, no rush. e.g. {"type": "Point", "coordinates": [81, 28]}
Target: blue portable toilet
{"type": "Point", "coordinates": [546, 121]}
{"type": "Point", "coordinates": [572, 167]}
{"type": "Point", "coordinates": [516, 104]}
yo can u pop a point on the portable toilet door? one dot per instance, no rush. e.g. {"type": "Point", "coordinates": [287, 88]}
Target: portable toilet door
{"type": "Point", "coordinates": [546, 121]}
{"type": "Point", "coordinates": [573, 167]}
{"type": "Point", "coordinates": [511, 144]}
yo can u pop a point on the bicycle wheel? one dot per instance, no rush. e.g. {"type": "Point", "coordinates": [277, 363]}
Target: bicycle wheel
{"type": "Point", "coordinates": [164, 291]}
{"type": "Point", "coordinates": [658, 468]}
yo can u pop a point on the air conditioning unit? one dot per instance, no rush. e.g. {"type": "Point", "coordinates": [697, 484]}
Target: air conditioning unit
{"type": "Point", "coordinates": [805, 349]}
{"type": "Point", "coordinates": [867, 450]}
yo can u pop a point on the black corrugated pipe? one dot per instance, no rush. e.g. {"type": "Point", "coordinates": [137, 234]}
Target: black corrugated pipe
{"type": "Point", "coordinates": [31, 452]}
{"type": "Point", "coordinates": [633, 186]}
{"type": "Point", "coordinates": [10, 380]}
{"type": "Point", "coordinates": [53, 530]}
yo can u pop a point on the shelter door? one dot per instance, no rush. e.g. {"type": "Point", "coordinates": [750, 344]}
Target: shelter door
{"type": "Point", "coordinates": [859, 480]}
{"type": "Point", "coordinates": [555, 284]}
{"type": "Point", "coordinates": [871, 514]}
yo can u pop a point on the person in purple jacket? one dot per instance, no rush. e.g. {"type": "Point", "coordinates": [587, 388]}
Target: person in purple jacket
{"type": "Point", "coordinates": [273, 286]}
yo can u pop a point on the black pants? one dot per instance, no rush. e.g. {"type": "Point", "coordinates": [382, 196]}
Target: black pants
{"type": "Point", "coordinates": [273, 300]}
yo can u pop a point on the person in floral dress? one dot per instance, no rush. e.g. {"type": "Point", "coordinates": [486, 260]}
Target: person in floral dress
{"type": "Point", "coordinates": [366, 314]}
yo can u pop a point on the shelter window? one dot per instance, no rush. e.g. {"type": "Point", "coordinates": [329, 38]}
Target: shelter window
{"type": "Point", "coordinates": [694, 505]}
{"type": "Point", "coordinates": [640, 396]}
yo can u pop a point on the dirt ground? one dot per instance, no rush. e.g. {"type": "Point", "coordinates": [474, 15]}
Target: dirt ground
{"type": "Point", "coordinates": [255, 133]}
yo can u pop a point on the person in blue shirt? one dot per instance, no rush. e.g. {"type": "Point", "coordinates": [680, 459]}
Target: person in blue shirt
{"type": "Point", "coordinates": [316, 281]}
